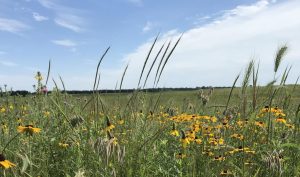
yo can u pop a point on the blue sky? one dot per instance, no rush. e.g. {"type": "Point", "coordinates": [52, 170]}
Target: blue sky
{"type": "Point", "coordinates": [219, 39]}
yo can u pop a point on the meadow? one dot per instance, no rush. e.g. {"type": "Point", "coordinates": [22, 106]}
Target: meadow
{"type": "Point", "coordinates": [245, 130]}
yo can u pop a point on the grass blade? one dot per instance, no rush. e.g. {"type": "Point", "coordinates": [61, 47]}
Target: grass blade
{"type": "Point", "coordinates": [148, 55]}
{"type": "Point", "coordinates": [123, 75]}
{"type": "Point", "coordinates": [161, 60]}
{"type": "Point", "coordinates": [62, 82]}
{"type": "Point", "coordinates": [279, 56]}
{"type": "Point", "coordinates": [96, 76]}
{"type": "Point", "coordinates": [153, 64]}
{"type": "Point", "coordinates": [48, 73]}
{"type": "Point", "coordinates": [231, 90]}
{"type": "Point", "coordinates": [167, 59]}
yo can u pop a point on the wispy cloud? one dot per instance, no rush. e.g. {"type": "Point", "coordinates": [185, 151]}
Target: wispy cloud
{"type": "Point", "coordinates": [7, 63]}
{"type": "Point", "coordinates": [38, 17]}
{"type": "Point", "coordinates": [66, 17]}
{"type": "Point", "coordinates": [48, 4]}
{"type": "Point", "coordinates": [65, 43]}
{"type": "Point", "coordinates": [243, 10]}
{"type": "Point", "coordinates": [11, 25]}
{"type": "Point", "coordinates": [149, 26]}
{"type": "Point", "coordinates": [212, 54]}
{"type": "Point", "coordinates": [2, 52]}
{"type": "Point", "coordinates": [71, 22]}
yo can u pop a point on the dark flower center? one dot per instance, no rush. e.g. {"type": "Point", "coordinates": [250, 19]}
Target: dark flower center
{"type": "Point", "coordinates": [2, 158]}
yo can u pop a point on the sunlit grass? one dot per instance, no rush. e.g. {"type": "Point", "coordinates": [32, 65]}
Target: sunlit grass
{"type": "Point", "coordinates": [243, 131]}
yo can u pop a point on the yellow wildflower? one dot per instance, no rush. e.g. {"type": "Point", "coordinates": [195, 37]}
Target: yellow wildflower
{"type": "Point", "coordinates": [28, 129]}
{"type": "Point", "coordinates": [63, 145]}
{"type": "Point", "coordinates": [213, 119]}
{"type": "Point", "coordinates": [280, 119]}
{"type": "Point", "coordinates": [225, 173]}
{"type": "Point", "coordinates": [184, 140]}
{"type": "Point", "coordinates": [237, 136]}
{"type": "Point", "coordinates": [5, 163]}
{"type": "Point", "coordinates": [208, 152]}
{"type": "Point", "coordinates": [180, 155]}
{"type": "Point", "coordinates": [260, 124]}
{"type": "Point", "coordinates": [174, 132]}
{"type": "Point", "coordinates": [112, 139]}
{"type": "Point", "coordinates": [38, 76]}
{"type": "Point", "coordinates": [2, 110]}
{"type": "Point", "coordinates": [219, 158]}
{"type": "Point", "coordinates": [121, 122]}
{"type": "Point", "coordinates": [198, 140]}
{"type": "Point", "coordinates": [46, 113]}
{"type": "Point", "coordinates": [109, 125]}
{"type": "Point", "coordinates": [290, 126]}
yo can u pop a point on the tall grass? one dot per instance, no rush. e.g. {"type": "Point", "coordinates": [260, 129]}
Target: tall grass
{"type": "Point", "coordinates": [169, 133]}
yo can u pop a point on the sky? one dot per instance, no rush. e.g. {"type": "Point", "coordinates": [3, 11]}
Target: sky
{"type": "Point", "coordinates": [219, 39]}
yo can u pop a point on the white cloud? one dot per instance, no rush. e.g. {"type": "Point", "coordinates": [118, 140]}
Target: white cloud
{"type": "Point", "coordinates": [65, 43]}
{"type": "Point", "coordinates": [38, 17]}
{"type": "Point", "coordinates": [213, 54]}
{"type": "Point", "coordinates": [13, 26]}
{"type": "Point", "coordinates": [243, 10]}
{"type": "Point", "coordinates": [71, 22]}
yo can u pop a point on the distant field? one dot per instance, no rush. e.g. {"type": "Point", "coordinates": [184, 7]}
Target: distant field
{"type": "Point", "coordinates": [182, 99]}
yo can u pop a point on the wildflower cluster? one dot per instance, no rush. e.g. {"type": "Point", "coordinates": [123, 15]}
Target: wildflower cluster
{"type": "Point", "coordinates": [222, 138]}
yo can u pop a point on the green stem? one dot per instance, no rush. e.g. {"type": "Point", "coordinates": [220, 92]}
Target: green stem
{"type": "Point", "coordinates": [9, 142]}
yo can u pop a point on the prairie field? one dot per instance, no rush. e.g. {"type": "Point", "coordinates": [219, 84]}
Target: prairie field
{"type": "Point", "coordinates": [246, 130]}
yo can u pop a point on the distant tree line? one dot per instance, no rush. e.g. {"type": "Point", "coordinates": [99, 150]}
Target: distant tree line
{"type": "Point", "coordinates": [25, 92]}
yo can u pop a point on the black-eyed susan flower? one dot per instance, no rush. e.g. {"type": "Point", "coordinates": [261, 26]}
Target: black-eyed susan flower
{"type": "Point", "coordinates": [219, 158]}
{"type": "Point", "coordinates": [213, 119]}
{"type": "Point", "coordinates": [5, 163]}
{"type": "Point", "coordinates": [281, 120]}
{"type": "Point", "coordinates": [109, 125]}
{"type": "Point", "coordinates": [290, 126]}
{"type": "Point", "coordinates": [221, 141]}
{"type": "Point", "coordinates": [184, 140]}
{"type": "Point", "coordinates": [174, 132]}
{"type": "Point", "coordinates": [28, 129]}
{"type": "Point", "coordinates": [237, 136]}
{"type": "Point", "coordinates": [198, 140]}
{"type": "Point", "coordinates": [225, 173]}
{"type": "Point", "coordinates": [208, 152]}
{"type": "Point", "coordinates": [180, 155]}
{"type": "Point", "coordinates": [111, 138]}
{"type": "Point", "coordinates": [260, 124]}
{"type": "Point", "coordinates": [265, 109]}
